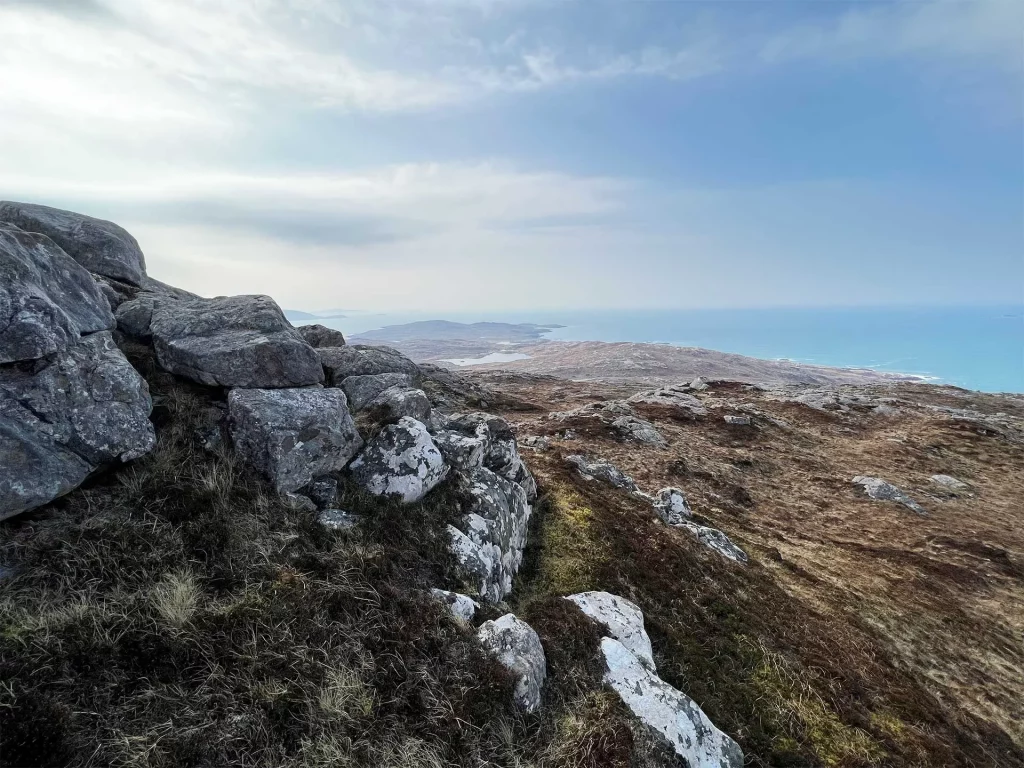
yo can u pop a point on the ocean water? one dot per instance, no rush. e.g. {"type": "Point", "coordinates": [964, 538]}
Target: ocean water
{"type": "Point", "coordinates": [978, 348]}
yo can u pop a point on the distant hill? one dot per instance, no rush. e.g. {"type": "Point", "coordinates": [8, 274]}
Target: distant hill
{"type": "Point", "coordinates": [295, 315]}
{"type": "Point", "coordinates": [445, 330]}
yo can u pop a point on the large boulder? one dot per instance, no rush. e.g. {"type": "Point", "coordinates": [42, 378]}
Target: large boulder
{"type": "Point", "coordinates": [669, 714]}
{"type": "Point", "coordinates": [517, 647]}
{"type": "Point", "coordinates": [293, 435]}
{"type": "Point", "coordinates": [495, 526]}
{"type": "Point", "coordinates": [361, 390]}
{"type": "Point", "coordinates": [401, 460]}
{"type": "Point", "coordinates": [320, 336]}
{"type": "Point", "coordinates": [395, 402]}
{"type": "Point", "coordinates": [623, 620]}
{"type": "Point", "coordinates": [99, 246]}
{"type": "Point", "coordinates": [233, 341]}
{"type": "Point", "coordinates": [501, 453]}
{"type": "Point", "coordinates": [65, 416]}
{"type": "Point", "coordinates": [459, 450]}
{"type": "Point", "coordinates": [47, 300]}
{"type": "Point", "coordinates": [362, 360]}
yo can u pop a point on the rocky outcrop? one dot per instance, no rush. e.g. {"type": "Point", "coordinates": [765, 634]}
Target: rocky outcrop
{"type": "Point", "coordinates": [361, 390]}
{"type": "Point", "coordinates": [637, 430]}
{"type": "Point", "coordinates": [292, 435]}
{"type": "Point", "coordinates": [397, 402]}
{"type": "Point", "coordinates": [361, 360]}
{"type": "Point", "coordinates": [712, 538]}
{"type": "Point", "coordinates": [460, 451]}
{"type": "Point", "coordinates": [501, 453]}
{"type": "Point", "coordinates": [47, 300]}
{"type": "Point", "coordinates": [65, 416]}
{"type": "Point", "coordinates": [621, 618]}
{"type": "Point", "coordinates": [603, 471]}
{"type": "Point", "coordinates": [672, 506]}
{"type": "Point", "coordinates": [950, 483]}
{"type": "Point", "coordinates": [880, 490]}
{"type": "Point", "coordinates": [517, 647]}
{"type": "Point", "coordinates": [100, 246]}
{"type": "Point", "coordinates": [402, 460]}
{"type": "Point", "coordinates": [676, 397]}
{"type": "Point", "coordinates": [666, 712]}
{"type": "Point", "coordinates": [320, 336]}
{"type": "Point", "coordinates": [233, 341]}
{"type": "Point", "coordinates": [462, 606]}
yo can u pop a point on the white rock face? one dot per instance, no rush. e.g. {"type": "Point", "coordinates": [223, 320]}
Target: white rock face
{"type": "Point", "coordinates": [667, 712]}
{"type": "Point", "coordinates": [517, 647]}
{"type": "Point", "coordinates": [462, 606]}
{"type": "Point", "coordinates": [712, 538]}
{"type": "Point", "coordinates": [880, 490]}
{"type": "Point", "coordinates": [672, 506]}
{"type": "Point", "coordinates": [402, 460]}
{"type": "Point", "coordinates": [623, 618]}
{"type": "Point", "coordinates": [460, 451]}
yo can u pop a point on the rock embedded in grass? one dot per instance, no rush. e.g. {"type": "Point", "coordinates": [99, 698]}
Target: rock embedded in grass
{"type": "Point", "coordinates": [622, 619]}
{"type": "Point", "coordinates": [517, 647]}
{"type": "Point", "coordinates": [402, 460]}
{"type": "Point", "coordinates": [712, 538]}
{"type": "Point", "coordinates": [672, 506]}
{"type": "Point", "coordinates": [881, 490]}
{"type": "Point", "coordinates": [462, 606]}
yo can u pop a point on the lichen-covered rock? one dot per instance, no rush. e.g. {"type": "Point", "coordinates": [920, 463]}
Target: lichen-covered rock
{"type": "Point", "coordinates": [638, 430]}
{"type": "Point", "coordinates": [65, 416]}
{"type": "Point", "coordinates": [363, 360]}
{"type": "Point", "coordinates": [602, 470]}
{"type": "Point", "coordinates": [624, 621]}
{"type": "Point", "coordinates": [462, 452]}
{"type": "Point", "coordinates": [673, 396]}
{"type": "Point", "coordinates": [672, 506]}
{"type": "Point", "coordinates": [517, 647]}
{"type": "Point", "coordinates": [47, 300]}
{"type": "Point", "coordinates": [712, 538]}
{"type": "Point", "coordinates": [323, 491]}
{"type": "Point", "coordinates": [233, 341]}
{"type": "Point", "coordinates": [401, 460]}
{"type": "Point", "coordinates": [99, 246]}
{"type": "Point", "coordinates": [880, 490]}
{"type": "Point", "coordinates": [338, 519]}
{"type": "Point", "coordinates": [293, 435]}
{"type": "Point", "coordinates": [361, 390]}
{"type": "Point", "coordinates": [395, 402]}
{"type": "Point", "coordinates": [462, 606]}
{"type": "Point", "coordinates": [501, 454]}
{"type": "Point", "coordinates": [669, 714]}
{"type": "Point", "coordinates": [319, 336]}
{"type": "Point", "coordinates": [496, 523]}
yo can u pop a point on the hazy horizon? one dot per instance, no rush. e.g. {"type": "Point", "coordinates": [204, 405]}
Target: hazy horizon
{"type": "Point", "coordinates": [451, 156]}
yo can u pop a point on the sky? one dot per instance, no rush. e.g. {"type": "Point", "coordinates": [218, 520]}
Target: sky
{"type": "Point", "coordinates": [475, 155]}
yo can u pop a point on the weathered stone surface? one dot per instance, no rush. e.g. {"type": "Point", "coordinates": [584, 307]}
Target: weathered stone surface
{"type": "Point", "coordinates": [501, 454]}
{"type": "Point", "coordinates": [737, 421]}
{"type": "Point", "coordinates": [460, 451]}
{"type": "Point", "coordinates": [401, 460]}
{"type": "Point", "coordinates": [624, 621]}
{"type": "Point", "coordinates": [672, 506]}
{"type": "Point", "coordinates": [712, 538]}
{"type": "Point", "coordinates": [638, 430]}
{"type": "Point", "coordinates": [673, 396]}
{"type": "Point", "coordinates": [668, 713]}
{"type": "Point", "coordinates": [362, 360]}
{"type": "Point", "coordinates": [65, 416]}
{"type": "Point", "coordinates": [293, 435]}
{"type": "Point", "coordinates": [462, 606]}
{"type": "Point", "coordinates": [99, 246]}
{"type": "Point", "coordinates": [361, 390]}
{"type": "Point", "coordinates": [602, 470]}
{"type": "Point", "coordinates": [323, 491]}
{"type": "Point", "coordinates": [319, 336]}
{"type": "Point", "coordinates": [338, 519]}
{"type": "Point", "coordinates": [880, 490]}
{"type": "Point", "coordinates": [135, 315]}
{"type": "Point", "coordinates": [496, 523]}
{"type": "Point", "coordinates": [517, 647]}
{"type": "Point", "coordinates": [233, 341]}
{"type": "Point", "coordinates": [950, 483]}
{"type": "Point", "coordinates": [47, 300]}
{"type": "Point", "coordinates": [396, 402]}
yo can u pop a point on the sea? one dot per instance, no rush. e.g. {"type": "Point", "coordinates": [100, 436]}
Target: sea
{"type": "Point", "coordinates": [980, 348]}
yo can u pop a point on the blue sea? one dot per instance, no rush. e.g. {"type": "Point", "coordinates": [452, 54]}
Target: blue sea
{"type": "Point", "coordinates": [978, 348]}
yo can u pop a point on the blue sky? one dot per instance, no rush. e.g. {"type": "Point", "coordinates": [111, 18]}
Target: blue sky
{"type": "Point", "coordinates": [450, 155]}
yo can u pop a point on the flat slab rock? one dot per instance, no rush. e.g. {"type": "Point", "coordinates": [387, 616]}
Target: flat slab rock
{"type": "Point", "coordinates": [517, 647]}
{"type": "Point", "coordinates": [293, 435]}
{"type": "Point", "coordinates": [233, 341]}
{"type": "Point", "coordinates": [881, 490]}
{"type": "Point", "coordinates": [100, 246]}
{"type": "Point", "coordinates": [364, 360]}
{"type": "Point", "coordinates": [361, 390]}
{"type": "Point", "coordinates": [623, 619]}
{"type": "Point", "coordinates": [65, 416]}
{"type": "Point", "coordinates": [672, 396]}
{"type": "Point", "coordinates": [401, 460]}
{"type": "Point", "coordinates": [47, 300]}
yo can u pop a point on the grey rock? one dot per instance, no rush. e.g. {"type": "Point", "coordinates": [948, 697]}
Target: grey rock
{"type": "Point", "coordinates": [501, 453]}
{"type": "Point", "coordinates": [99, 246]}
{"type": "Point", "coordinates": [362, 360]}
{"type": "Point", "coordinates": [517, 647]}
{"type": "Point", "coordinates": [672, 396]}
{"type": "Point", "coordinates": [699, 384]}
{"type": "Point", "coordinates": [299, 502]}
{"type": "Point", "coordinates": [401, 460]}
{"type": "Point", "coordinates": [712, 538]}
{"type": "Point", "coordinates": [47, 300]}
{"type": "Point", "coordinates": [338, 519]}
{"type": "Point", "coordinates": [495, 525]}
{"type": "Point", "coordinates": [395, 402]}
{"type": "Point", "coordinates": [361, 390]}
{"type": "Point", "coordinates": [150, 285]}
{"type": "Point", "coordinates": [622, 619]}
{"type": "Point", "coordinates": [950, 483]}
{"type": "Point", "coordinates": [66, 416]}
{"type": "Point", "coordinates": [737, 421]}
{"type": "Point", "coordinates": [672, 506]}
{"type": "Point", "coordinates": [536, 442]}
{"type": "Point", "coordinates": [666, 712]}
{"type": "Point", "coordinates": [460, 451]}
{"type": "Point", "coordinates": [462, 606]}
{"type": "Point", "coordinates": [880, 490]}
{"type": "Point", "coordinates": [135, 316]}
{"type": "Point", "coordinates": [292, 435]}
{"type": "Point", "coordinates": [232, 341]}
{"type": "Point", "coordinates": [638, 430]}
{"type": "Point", "coordinates": [318, 336]}
{"type": "Point", "coordinates": [602, 470]}
{"type": "Point", "coordinates": [323, 491]}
